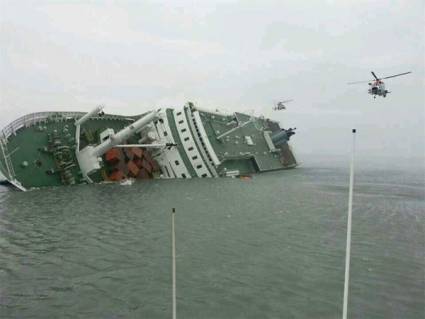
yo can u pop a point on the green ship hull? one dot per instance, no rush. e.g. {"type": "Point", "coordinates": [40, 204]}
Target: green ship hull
{"type": "Point", "coordinates": [67, 148]}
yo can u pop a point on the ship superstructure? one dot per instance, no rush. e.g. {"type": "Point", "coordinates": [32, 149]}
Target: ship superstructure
{"type": "Point", "coordinates": [66, 148]}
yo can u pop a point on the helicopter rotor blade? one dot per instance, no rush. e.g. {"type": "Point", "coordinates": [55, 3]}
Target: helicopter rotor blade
{"type": "Point", "coordinates": [358, 82]}
{"type": "Point", "coordinates": [374, 75]}
{"type": "Point", "coordinates": [286, 101]}
{"type": "Point", "coordinates": [393, 76]}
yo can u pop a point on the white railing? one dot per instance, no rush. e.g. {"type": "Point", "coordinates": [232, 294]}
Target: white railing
{"type": "Point", "coordinates": [34, 118]}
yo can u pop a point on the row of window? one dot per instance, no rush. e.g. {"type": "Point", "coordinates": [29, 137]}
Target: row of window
{"type": "Point", "coordinates": [193, 157]}
{"type": "Point", "coordinates": [203, 175]}
{"type": "Point", "coordinates": [201, 139]}
{"type": "Point", "coordinates": [190, 148]}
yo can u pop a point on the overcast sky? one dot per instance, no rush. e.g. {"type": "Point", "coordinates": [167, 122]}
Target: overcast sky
{"type": "Point", "coordinates": [132, 56]}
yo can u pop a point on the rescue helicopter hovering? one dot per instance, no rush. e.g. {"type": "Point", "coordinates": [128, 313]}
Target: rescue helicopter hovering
{"type": "Point", "coordinates": [377, 86]}
{"type": "Point", "coordinates": [280, 105]}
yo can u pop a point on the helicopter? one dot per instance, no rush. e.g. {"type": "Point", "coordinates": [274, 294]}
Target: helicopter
{"type": "Point", "coordinates": [377, 86]}
{"type": "Point", "coordinates": [281, 105]}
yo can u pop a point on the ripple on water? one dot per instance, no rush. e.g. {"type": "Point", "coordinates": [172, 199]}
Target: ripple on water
{"type": "Point", "coordinates": [269, 247]}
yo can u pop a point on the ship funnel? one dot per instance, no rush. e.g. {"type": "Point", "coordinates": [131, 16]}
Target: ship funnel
{"type": "Point", "coordinates": [282, 136]}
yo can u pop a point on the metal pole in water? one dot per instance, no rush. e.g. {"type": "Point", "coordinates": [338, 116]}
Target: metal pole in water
{"type": "Point", "coordinates": [173, 244]}
{"type": "Point", "coordinates": [348, 247]}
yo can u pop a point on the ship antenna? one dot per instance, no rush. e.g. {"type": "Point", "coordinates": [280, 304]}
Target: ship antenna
{"type": "Point", "coordinates": [173, 244]}
{"type": "Point", "coordinates": [348, 247]}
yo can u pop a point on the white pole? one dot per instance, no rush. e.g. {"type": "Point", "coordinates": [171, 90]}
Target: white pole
{"type": "Point", "coordinates": [173, 244]}
{"type": "Point", "coordinates": [157, 145]}
{"type": "Point", "coordinates": [348, 247]}
{"type": "Point", "coordinates": [125, 133]}
{"type": "Point", "coordinates": [88, 115]}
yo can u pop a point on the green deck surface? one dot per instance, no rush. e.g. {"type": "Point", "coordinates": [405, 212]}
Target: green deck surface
{"type": "Point", "coordinates": [233, 149]}
{"type": "Point", "coordinates": [28, 148]}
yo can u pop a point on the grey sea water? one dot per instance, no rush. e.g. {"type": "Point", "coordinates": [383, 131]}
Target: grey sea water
{"type": "Point", "coordinates": [270, 247]}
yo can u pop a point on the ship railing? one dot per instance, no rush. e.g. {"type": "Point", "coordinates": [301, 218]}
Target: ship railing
{"type": "Point", "coordinates": [10, 172]}
{"type": "Point", "coordinates": [32, 119]}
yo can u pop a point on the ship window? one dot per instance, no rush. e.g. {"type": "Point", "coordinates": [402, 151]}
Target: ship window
{"type": "Point", "coordinates": [195, 157]}
{"type": "Point", "coordinates": [186, 139]}
{"type": "Point", "coordinates": [183, 130]}
{"type": "Point", "coordinates": [184, 175]}
{"type": "Point", "coordinates": [165, 133]}
{"type": "Point", "coordinates": [177, 162]}
{"type": "Point", "coordinates": [161, 121]}
{"type": "Point", "coordinates": [204, 175]}
{"type": "Point", "coordinates": [190, 148]}
{"type": "Point", "coordinates": [199, 166]}
{"type": "Point", "coordinates": [179, 113]}
{"type": "Point", "coordinates": [181, 121]}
